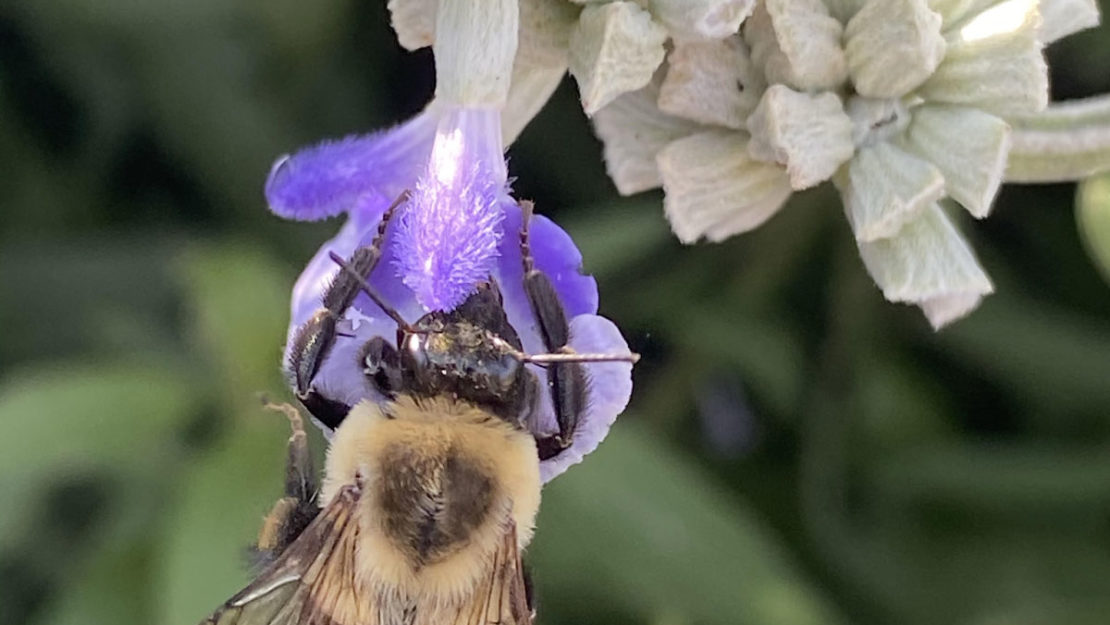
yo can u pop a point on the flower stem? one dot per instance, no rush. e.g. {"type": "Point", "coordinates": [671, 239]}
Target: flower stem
{"type": "Point", "coordinates": [1067, 141]}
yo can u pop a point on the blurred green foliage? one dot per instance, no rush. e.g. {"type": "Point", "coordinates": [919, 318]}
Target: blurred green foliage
{"type": "Point", "coordinates": [798, 451]}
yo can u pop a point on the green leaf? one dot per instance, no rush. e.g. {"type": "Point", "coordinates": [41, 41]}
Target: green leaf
{"type": "Point", "coordinates": [640, 529]}
{"type": "Point", "coordinates": [67, 421]}
{"type": "Point", "coordinates": [216, 518]}
{"type": "Point", "coordinates": [239, 310]}
{"type": "Point", "coordinates": [1017, 480]}
{"type": "Point", "coordinates": [618, 235]}
{"type": "Point", "coordinates": [239, 314]}
{"type": "Point", "coordinates": [122, 575]}
{"type": "Point", "coordinates": [1056, 358]}
{"type": "Point", "coordinates": [1093, 214]}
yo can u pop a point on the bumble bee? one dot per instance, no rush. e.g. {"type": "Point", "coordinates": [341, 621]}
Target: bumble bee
{"type": "Point", "coordinates": [430, 496]}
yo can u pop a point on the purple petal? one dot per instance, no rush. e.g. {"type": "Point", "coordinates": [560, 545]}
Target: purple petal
{"type": "Point", "coordinates": [327, 179]}
{"type": "Point", "coordinates": [610, 387]}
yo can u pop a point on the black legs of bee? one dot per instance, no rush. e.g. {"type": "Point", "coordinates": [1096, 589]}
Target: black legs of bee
{"type": "Point", "coordinates": [566, 379]}
{"type": "Point", "coordinates": [293, 512]}
{"type": "Point", "coordinates": [313, 341]}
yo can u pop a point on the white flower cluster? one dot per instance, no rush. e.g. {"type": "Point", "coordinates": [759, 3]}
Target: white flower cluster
{"type": "Point", "coordinates": [732, 105]}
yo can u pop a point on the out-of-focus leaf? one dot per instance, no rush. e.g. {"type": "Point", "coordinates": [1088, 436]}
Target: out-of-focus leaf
{"type": "Point", "coordinates": [239, 316]}
{"type": "Point", "coordinates": [1093, 213]}
{"type": "Point", "coordinates": [239, 308]}
{"type": "Point", "coordinates": [66, 421]}
{"type": "Point", "coordinates": [615, 236]}
{"type": "Point", "coordinates": [216, 518]}
{"type": "Point", "coordinates": [993, 577]}
{"type": "Point", "coordinates": [899, 406]}
{"type": "Point", "coordinates": [768, 355]}
{"type": "Point", "coordinates": [1053, 357]}
{"type": "Point", "coordinates": [1020, 481]}
{"type": "Point", "coordinates": [122, 575]}
{"type": "Point", "coordinates": [110, 295]}
{"type": "Point", "coordinates": [639, 528]}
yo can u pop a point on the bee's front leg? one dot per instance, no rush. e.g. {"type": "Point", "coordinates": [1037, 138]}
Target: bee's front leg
{"type": "Point", "coordinates": [313, 340]}
{"type": "Point", "coordinates": [567, 381]}
{"type": "Point", "coordinates": [293, 512]}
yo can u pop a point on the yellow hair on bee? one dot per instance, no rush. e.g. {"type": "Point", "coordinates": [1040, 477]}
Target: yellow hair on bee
{"type": "Point", "coordinates": [441, 482]}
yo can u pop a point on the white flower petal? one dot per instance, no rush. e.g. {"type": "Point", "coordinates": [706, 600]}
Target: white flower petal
{"type": "Point", "coordinates": [954, 11]}
{"type": "Point", "coordinates": [970, 148]}
{"type": "Point", "coordinates": [809, 134]}
{"type": "Point", "coordinates": [614, 48]}
{"type": "Point", "coordinates": [844, 10]}
{"type": "Point", "coordinates": [797, 42]}
{"type": "Point", "coordinates": [701, 19]}
{"type": "Point", "coordinates": [1061, 18]}
{"type": "Point", "coordinates": [994, 62]}
{"type": "Point", "coordinates": [874, 121]}
{"type": "Point", "coordinates": [929, 264]}
{"type": "Point", "coordinates": [475, 48]}
{"type": "Point", "coordinates": [545, 33]}
{"type": "Point", "coordinates": [892, 47]}
{"type": "Point", "coordinates": [884, 188]}
{"type": "Point", "coordinates": [712, 82]}
{"type": "Point", "coordinates": [714, 189]}
{"type": "Point", "coordinates": [531, 88]}
{"type": "Point", "coordinates": [633, 130]}
{"type": "Point", "coordinates": [943, 310]}
{"type": "Point", "coordinates": [414, 21]}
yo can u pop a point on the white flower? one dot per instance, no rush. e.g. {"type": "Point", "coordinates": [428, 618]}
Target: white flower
{"type": "Point", "coordinates": [900, 104]}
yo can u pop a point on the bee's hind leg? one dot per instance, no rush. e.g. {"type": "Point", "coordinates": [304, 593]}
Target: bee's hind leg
{"type": "Point", "coordinates": [293, 512]}
{"type": "Point", "coordinates": [566, 380]}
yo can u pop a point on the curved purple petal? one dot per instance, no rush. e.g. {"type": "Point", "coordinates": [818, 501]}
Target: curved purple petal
{"type": "Point", "coordinates": [328, 178]}
{"type": "Point", "coordinates": [610, 387]}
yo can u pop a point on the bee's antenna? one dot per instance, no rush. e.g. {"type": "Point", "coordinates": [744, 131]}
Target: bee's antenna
{"type": "Point", "coordinates": [567, 356]}
{"type": "Point", "coordinates": [371, 293]}
{"type": "Point", "coordinates": [541, 359]}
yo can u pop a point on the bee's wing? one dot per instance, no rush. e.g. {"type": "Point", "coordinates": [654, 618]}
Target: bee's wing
{"type": "Point", "coordinates": [311, 582]}
{"type": "Point", "coordinates": [501, 597]}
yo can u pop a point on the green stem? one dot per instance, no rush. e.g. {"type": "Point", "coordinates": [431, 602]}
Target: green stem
{"type": "Point", "coordinates": [1068, 141]}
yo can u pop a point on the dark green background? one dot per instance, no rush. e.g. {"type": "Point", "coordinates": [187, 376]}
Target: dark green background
{"type": "Point", "coordinates": [797, 452]}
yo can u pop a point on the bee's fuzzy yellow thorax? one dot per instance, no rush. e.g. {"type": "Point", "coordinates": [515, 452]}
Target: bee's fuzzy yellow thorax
{"type": "Point", "coordinates": [441, 482]}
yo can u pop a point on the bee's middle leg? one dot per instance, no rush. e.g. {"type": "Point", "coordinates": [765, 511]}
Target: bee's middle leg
{"type": "Point", "coordinates": [293, 512]}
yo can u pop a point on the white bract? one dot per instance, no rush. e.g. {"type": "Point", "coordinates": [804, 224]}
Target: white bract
{"type": "Point", "coordinates": [907, 106]}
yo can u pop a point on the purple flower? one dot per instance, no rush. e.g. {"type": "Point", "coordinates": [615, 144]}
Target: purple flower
{"type": "Point", "coordinates": [458, 227]}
